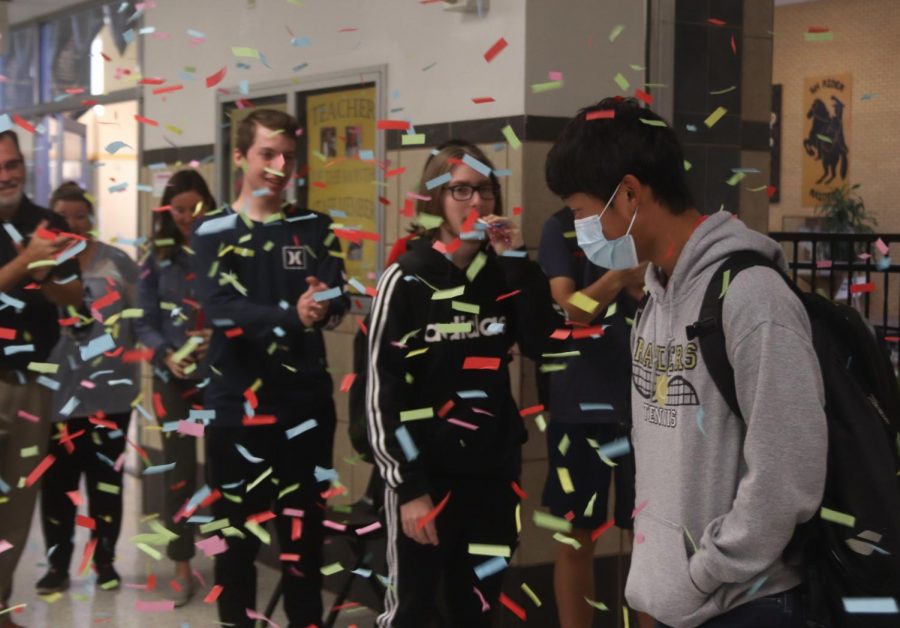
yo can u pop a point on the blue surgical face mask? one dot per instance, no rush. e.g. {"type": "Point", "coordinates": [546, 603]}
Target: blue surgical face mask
{"type": "Point", "coordinates": [617, 254]}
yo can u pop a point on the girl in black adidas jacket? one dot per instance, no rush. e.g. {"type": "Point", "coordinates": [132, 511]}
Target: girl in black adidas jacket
{"type": "Point", "coordinates": [443, 425]}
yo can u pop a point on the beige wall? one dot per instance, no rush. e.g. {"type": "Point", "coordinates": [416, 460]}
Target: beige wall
{"type": "Point", "coordinates": [865, 45]}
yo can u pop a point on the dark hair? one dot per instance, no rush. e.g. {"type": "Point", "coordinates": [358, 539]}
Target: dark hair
{"type": "Point", "coordinates": [71, 191]}
{"type": "Point", "coordinates": [592, 156]}
{"type": "Point", "coordinates": [13, 136]}
{"type": "Point", "coordinates": [164, 225]}
{"type": "Point", "coordinates": [269, 118]}
{"type": "Point", "coordinates": [442, 161]}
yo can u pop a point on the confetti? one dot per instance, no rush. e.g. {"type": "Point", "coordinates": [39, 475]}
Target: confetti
{"type": "Point", "coordinates": [494, 50]}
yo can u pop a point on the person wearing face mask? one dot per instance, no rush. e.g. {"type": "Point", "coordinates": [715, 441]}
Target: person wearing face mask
{"type": "Point", "coordinates": [37, 276]}
{"type": "Point", "coordinates": [588, 403]}
{"type": "Point", "coordinates": [91, 408]}
{"type": "Point", "coordinates": [443, 425]}
{"type": "Point", "coordinates": [270, 278]}
{"type": "Point", "coordinates": [718, 496]}
{"type": "Point", "coordinates": [171, 316]}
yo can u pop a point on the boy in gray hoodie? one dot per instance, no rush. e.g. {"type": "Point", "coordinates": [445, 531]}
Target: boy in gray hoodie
{"type": "Point", "coordinates": [718, 497]}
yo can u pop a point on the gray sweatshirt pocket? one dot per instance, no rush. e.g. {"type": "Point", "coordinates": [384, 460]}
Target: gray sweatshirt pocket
{"type": "Point", "coordinates": [659, 582]}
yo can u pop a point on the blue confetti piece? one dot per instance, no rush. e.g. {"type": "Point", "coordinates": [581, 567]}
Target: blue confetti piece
{"type": "Point", "coordinates": [297, 68]}
{"type": "Point", "coordinates": [106, 460]}
{"type": "Point", "coordinates": [160, 165]}
{"type": "Point", "coordinates": [170, 426]}
{"type": "Point", "coordinates": [588, 407]}
{"type": "Point", "coordinates": [217, 225]}
{"type": "Point", "coordinates": [97, 346]}
{"type": "Point", "coordinates": [160, 468]}
{"type": "Point", "coordinates": [13, 233]}
{"type": "Point", "coordinates": [70, 406]}
{"type": "Point", "coordinates": [514, 254]}
{"type": "Point", "coordinates": [692, 128]}
{"type": "Point", "coordinates": [260, 192]}
{"type": "Point", "coordinates": [870, 605]}
{"type": "Point", "coordinates": [502, 173]}
{"type": "Point", "coordinates": [495, 328]}
{"type": "Point", "coordinates": [438, 181]}
{"type": "Point", "coordinates": [5, 122]}
{"type": "Point", "coordinates": [490, 567]}
{"type": "Point", "coordinates": [247, 455]}
{"type": "Point", "coordinates": [14, 349]}
{"type": "Point", "coordinates": [325, 475]}
{"type": "Point", "coordinates": [202, 415]}
{"type": "Point", "coordinates": [48, 382]}
{"type": "Point", "coordinates": [195, 34]}
{"type": "Point", "coordinates": [301, 42]}
{"type": "Point", "coordinates": [406, 443]}
{"type": "Point", "coordinates": [476, 165]}
{"type": "Point", "coordinates": [128, 36]}
{"type": "Point", "coordinates": [327, 295]}
{"type": "Point", "coordinates": [472, 394]}
{"type": "Point", "coordinates": [367, 155]}
{"type": "Point", "coordinates": [200, 519]}
{"type": "Point", "coordinates": [700, 415]}
{"type": "Point", "coordinates": [337, 213]}
{"type": "Point", "coordinates": [4, 487]}
{"type": "Point", "coordinates": [613, 449]}
{"type": "Point", "coordinates": [147, 30]}
{"type": "Point", "coordinates": [244, 87]}
{"type": "Point", "coordinates": [884, 263]}
{"type": "Point", "coordinates": [306, 426]}
{"type": "Point", "coordinates": [198, 497]}
{"type": "Point", "coordinates": [142, 187]}
{"type": "Point", "coordinates": [357, 285]}
{"type": "Point", "coordinates": [756, 586]}
{"type": "Point", "coordinates": [12, 302]}
{"type": "Point", "coordinates": [72, 251]}
{"type": "Point", "coordinates": [118, 187]}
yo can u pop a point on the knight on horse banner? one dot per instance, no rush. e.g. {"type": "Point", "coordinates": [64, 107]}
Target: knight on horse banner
{"type": "Point", "coordinates": [826, 153]}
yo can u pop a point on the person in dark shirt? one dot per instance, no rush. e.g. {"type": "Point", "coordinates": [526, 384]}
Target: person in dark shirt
{"type": "Point", "coordinates": [589, 406]}
{"type": "Point", "coordinates": [38, 273]}
{"type": "Point", "coordinates": [172, 314]}
{"type": "Point", "coordinates": [270, 278]}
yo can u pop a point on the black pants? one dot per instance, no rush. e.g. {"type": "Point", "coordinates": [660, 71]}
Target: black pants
{"type": "Point", "coordinates": [478, 511]}
{"type": "Point", "coordinates": [181, 482]}
{"type": "Point", "coordinates": [782, 610]}
{"type": "Point", "coordinates": [292, 462]}
{"type": "Point", "coordinates": [91, 455]}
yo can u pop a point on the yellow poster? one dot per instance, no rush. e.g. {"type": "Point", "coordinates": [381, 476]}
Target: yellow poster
{"type": "Point", "coordinates": [826, 140]}
{"type": "Point", "coordinates": [341, 140]}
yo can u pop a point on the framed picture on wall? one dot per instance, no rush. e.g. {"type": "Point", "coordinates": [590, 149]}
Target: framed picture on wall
{"type": "Point", "coordinates": [775, 146]}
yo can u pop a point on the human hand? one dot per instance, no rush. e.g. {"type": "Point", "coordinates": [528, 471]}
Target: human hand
{"type": "Point", "coordinates": [177, 368]}
{"type": "Point", "coordinates": [410, 514]}
{"type": "Point", "coordinates": [203, 348]}
{"type": "Point", "coordinates": [503, 233]}
{"type": "Point", "coordinates": [40, 248]}
{"type": "Point", "coordinates": [309, 310]}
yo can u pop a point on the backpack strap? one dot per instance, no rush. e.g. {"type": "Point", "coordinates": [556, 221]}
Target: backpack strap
{"type": "Point", "coordinates": [709, 330]}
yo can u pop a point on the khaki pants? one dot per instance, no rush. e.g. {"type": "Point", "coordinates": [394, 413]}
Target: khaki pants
{"type": "Point", "coordinates": [16, 434]}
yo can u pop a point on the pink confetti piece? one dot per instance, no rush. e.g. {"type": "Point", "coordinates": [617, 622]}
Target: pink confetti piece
{"type": "Point", "coordinates": [157, 606]}
{"type": "Point", "coordinates": [555, 76]}
{"type": "Point", "coordinates": [28, 416]}
{"type": "Point", "coordinates": [883, 248]}
{"type": "Point", "coordinates": [369, 528]}
{"type": "Point", "coordinates": [190, 428]}
{"type": "Point", "coordinates": [5, 545]}
{"type": "Point", "coordinates": [468, 426]}
{"type": "Point", "coordinates": [639, 538]}
{"type": "Point", "coordinates": [340, 527]}
{"type": "Point", "coordinates": [259, 616]}
{"type": "Point", "coordinates": [212, 546]}
{"type": "Point", "coordinates": [640, 507]}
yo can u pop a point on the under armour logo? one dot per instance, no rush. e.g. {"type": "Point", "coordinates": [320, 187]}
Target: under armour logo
{"type": "Point", "coordinates": [294, 257]}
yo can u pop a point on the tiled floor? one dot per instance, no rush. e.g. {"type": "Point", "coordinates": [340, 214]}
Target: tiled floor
{"type": "Point", "coordinates": [85, 605]}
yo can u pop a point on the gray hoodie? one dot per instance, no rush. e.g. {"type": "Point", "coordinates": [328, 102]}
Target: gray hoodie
{"type": "Point", "coordinates": [718, 497]}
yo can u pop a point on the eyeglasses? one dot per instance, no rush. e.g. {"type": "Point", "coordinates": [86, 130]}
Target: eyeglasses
{"type": "Point", "coordinates": [11, 165]}
{"type": "Point", "coordinates": [464, 192]}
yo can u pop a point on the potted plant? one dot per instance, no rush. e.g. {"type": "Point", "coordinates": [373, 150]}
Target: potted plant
{"type": "Point", "coordinates": [843, 211]}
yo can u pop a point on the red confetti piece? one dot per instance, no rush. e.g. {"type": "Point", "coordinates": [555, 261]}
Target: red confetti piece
{"type": "Point", "coordinates": [75, 497]}
{"type": "Point", "coordinates": [151, 582]}
{"type": "Point", "coordinates": [151, 80]}
{"type": "Point", "coordinates": [88, 555]}
{"type": "Point", "coordinates": [147, 121]}
{"type": "Point", "coordinates": [319, 184]}
{"type": "Point", "coordinates": [518, 490]}
{"type": "Point", "coordinates": [214, 79]}
{"type": "Point", "coordinates": [531, 410]}
{"type": "Point", "coordinates": [349, 29]}
{"type": "Point", "coordinates": [107, 299]}
{"type": "Point", "coordinates": [603, 527]}
{"type": "Point", "coordinates": [818, 29]}
{"type": "Point", "coordinates": [485, 364]}
{"type": "Point", "coordinates": [561, 334]}
{"type": "Point", "coordinates": [261, 419]}
{"type": "Point", "coordinates": [168, 89]}
{"type": "Point", "coordinates": [250, 396]}
{"type": "Point", "coordinates": [7, 333]}
{"type": "Point", "coordinates": [39, 470]}
{"type": "Point", "coordinates": [517, 211]}
{"type": "Point", "coordinates": [89, 103]}
{"type": "Point", "coordinates": [137, 355]}
{"type": "Point", "coordinates": [347, 382]}
{"type": "Point", "coordinates": [362, 326]}
{"type": "Point", "coordinates": [483, 100]}
{"type": "Point", "coordinates": [394, 172]}
{"type": "Point", "coordinates": [587, 332]}
{"type": "Point", "coordinates": [85, 522]}
{"type": "Point", "coordinates": [503, 297]}
{"type": "Point", "coordinates": [733, 45]}
{"type": "Point", "coordinates": [383, 201]}
{"type": "Point", "coordinates": [105, 56]}
{"type": "Point", "coordinates": [859, 288]}
{"type": "Point", "coordinates": [261, 517]}
{"type": "Point", "coordinates": [22, 122]}
{"type": "Point", "coordinates": [446, 408]}
{"type": "Point", "coordinates": [494, 50]}
{"type": "Point", "coordinates": [392, 125]}
{"type": "Point", "coordinates": [431, 516]}
{"type": "Point", "coordinates": [289, 558]}
{"type": "Point", "coordinates": [600, 114]}
{"type": "Point", "coordinates": [158, 406]}
{"type": "Point", "coordinates": [213, 594]}
{"type": "Point", "coordinates": [716, 21]}
{"type": "Point", "coordinates": [74, 90]}
{"type": "Point", "coordinates": [234, 332]}
{"type": "Point", "coordinates": [516, 610]}
{"type": "Point", "coordinates": [642, 96]}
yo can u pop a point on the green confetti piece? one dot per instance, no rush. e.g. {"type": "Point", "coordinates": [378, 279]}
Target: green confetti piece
{"type": "Point", "coordinates": [43, 367]}
{"type": "Point", "coordinates": [600, 606]}
{"type": "Point", "coordinates": [417, 415]}
{"type": "Point", "coordinates": [539, 88]}
{"type": "Point", "coordinates": [549, 522]}
{"type": "Point", "coordinates": [475, 266]}
{"type": "Point", "coordinates": [29, 452]}
{"type": "Point", "coordinates": [111, 584]}
{"type": "Point", "coordinates": [259, 532]}
{"type": "Point", "coordinates": [511, 138]}
{"type": "Point", "coordinates": [261, 477]}
{"type": "Point", "coordinates": [622, 82]}
{"type": "Point", "coordinates": [289, 489]}
{"type": "Point", "coordinates": [132, 312]}
{"type": "Point", "coordinates": [687, 165]}
{"type": "Point", "coordinates": [615, 32]}
{"type": "Point", "coordinates": [652, 122]}
{"type": "Point", "coordinates": [736, 178]}
{"type": "Point", "coordinates": [611, 310]}
{"type": "Point", "coordinates": [726, 281]}
{"type": "Point", "coordinates": [484, 549]}
{"type": "Point", "coordinates": [589, 509]}
{"type": "Point", "coordinates": [531, 594]}
{"type": "Point", "coordinates": [564, 445]}
{"type": "Point", "coordinates": [566, 540]}
{"type": "Point", "coordinates": [824, 138]}
{"type": "Point", "coordinates": [454, 328]}
{"type": "Point", "coordinates": [565, 480]}
{"type": "Point", "coordinates": [468, 308]}
{"type": "Point", "coordinates": [151, 552]}
{"type": "Point", "coordinates": [715, 116]}
{"type": "Point", "coordinates": [449, 293]}
{"type": "Point", "coordinates": [251, 53]}
{"type": "Point", "coordinates": [416, 352]}
{"type": "Point", "coordinates": [758, 188]}
{"type": "Point", "coordinates": [213, 526]}
{"type": "Point", "coordinates": [330, 570]}
{"type": "Point", "coordinates": [553, 367]}
{"type": "Point", "coordinates": [561, 354]}
{"type": "Point", "coordinates": [429, 221]}
{"type": "Point", "coordinates": [277, 173]}
{"type": "Point", "coordinates": [412, 139]}
{"type": "Point", "coordinates": [837, 517]}
{"type": "Point", "coordinates": [827, 36]}
{"type": "Point", "coordinates": [541, 422]}
{"type": "Point", "coordinates": [636, 67]}
{"type": "Point", "coordinates": [112, 489]}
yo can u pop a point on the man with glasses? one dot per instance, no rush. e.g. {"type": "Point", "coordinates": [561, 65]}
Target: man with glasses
{"type": "Point", "coordinates": [33, 282]}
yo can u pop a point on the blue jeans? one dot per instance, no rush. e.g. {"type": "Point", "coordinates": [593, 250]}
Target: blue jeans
{"type": "Point", "coordinates": [782, 610]}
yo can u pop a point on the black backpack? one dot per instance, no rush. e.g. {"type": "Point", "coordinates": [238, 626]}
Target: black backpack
{"type": "Point", "coordinates": [862, 405]}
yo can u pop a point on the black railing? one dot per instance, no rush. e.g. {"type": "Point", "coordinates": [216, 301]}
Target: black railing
{"type": "Point", "coordinates": [823, 259]}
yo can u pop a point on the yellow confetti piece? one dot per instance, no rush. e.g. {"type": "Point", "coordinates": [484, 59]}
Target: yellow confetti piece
{"type": "Point", "coordinates": [261, 477]}
{"type": "Point", "coordinates": [41, 263]}
{"type": "Point", "coordinates": [726, 282]}
{"type": "Point", "coordinates": [288, 489]}
{"type": "Point", "coordinates": [622, 82]}
{"type": "Point", "coordinates": [584, 302]}
{"type": "Point", "coordinates": [416, 352]}
{"type": "Point", "coordinates": [259, 532]}
{"type": "Point", "coordinates": [417, 415]}
{"type": "Point", "coordinates": [50, 598]}
{"type": "Point", "coordinates": [518, 517]}
{"type": "Point", "coordinates": [541, 422]}
{"type": "Point", "coordinates": [511, 137]}
{"type": "Point", "coordinates": [468, 308]}
{"type": "Point", "coordinates": [213, 526]}
{"type": "Point", "coordinates": [613, 35]}
{"type": "Point", "coordinates": [330, 570]}
{"type": "Point", "coordinates": [277, 173]}
{"type": "Point", "coordinates": [611, 310]}
{"type": "Point", "coordinates": [252, 53]}
{"type": "Point", "coordinates": [449, 293]}
{"type": "Point", "coordinates": [29, 452]}
{"type": "Point", "coordinates": [429, 221]}
{"type": "Point", "coordinates": [553, 367]}
{"type": "Point", "coordinates": [687, 165]}
{"type": "Point", "coordinates": [549, 522]}
{"type": "Point", "coordinates": [565, 480]}
{"type": "Point", "coordinates": [112, 489]}
{"type": "Point", "coordinates": [132, 312]}
{"type": "Point", "coordinates": [715, 116]}
{"type": "Point", "coordinates": [476, 265]}
{"type": "Point", "coordinates": [564, 445]}
{"type": "Point", "coordinates": [149, 551]}
{"type": "Point", "coordinates": [589, 509]}
{"type": "Point", "coordinates": [412, 139]}
{"type": "Point", "coordinates": [484, 549]}
{"type": "Point", "coordinates": [43, 367]}
{"type": "Point", "coordinates": [567, 540]}
{"type": "Point", "coordinates": [837, 517]}
{"type": "Point", "coordinates": [736, 178]}
{"type": "Point", "coordinates": [454, 328]}
{"type": "Point", "coordinates": [600, 606]}
{"type": "Point", "coordinates": [531, 594]}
